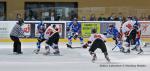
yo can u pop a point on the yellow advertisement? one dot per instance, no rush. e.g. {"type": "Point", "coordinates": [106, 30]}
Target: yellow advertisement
{"type": "Point", "coordinates": [87, 26]}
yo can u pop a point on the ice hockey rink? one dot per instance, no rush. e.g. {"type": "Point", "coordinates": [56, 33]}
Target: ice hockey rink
{"type": "Point", "coordinates": [76, 59]}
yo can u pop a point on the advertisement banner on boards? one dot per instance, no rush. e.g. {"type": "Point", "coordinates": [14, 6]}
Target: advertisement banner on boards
{"type": "Point", "coordinates": [145, 26]}
{"type": "Point", "coordinates": [105, 25]}
{"type": "Point", "coordinates": [27, 29]}
{"type": "Point", "coordinates": [5, 28]}
{"type": "Point", "coordinates": [87, 26]}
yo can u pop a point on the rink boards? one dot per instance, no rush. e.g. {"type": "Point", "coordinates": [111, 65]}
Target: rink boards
{"type": "Point", "coordinates": [63, 40]}
{"type": "Point", "coordinates": [31, 32]}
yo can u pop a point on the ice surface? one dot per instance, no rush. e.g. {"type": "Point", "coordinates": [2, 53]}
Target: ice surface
{"type": "Point", "coordinates": [77, 59]}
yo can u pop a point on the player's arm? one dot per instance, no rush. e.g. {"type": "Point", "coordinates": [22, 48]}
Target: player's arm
{"type": "Point", "coordinates": [49, 32]}
{"type": "Point", "coordinates": [88, 42]}
{"type": "Point", "coordinates": [78, 32]}
{"type": "Point", "coordinates": [103, 37]}
{"type": "Point", "coordinates": [68, 26]}
{"type": "Point", "coordinates": [79, 29]}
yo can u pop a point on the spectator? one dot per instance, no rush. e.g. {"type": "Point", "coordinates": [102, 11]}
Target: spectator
{"type": "Point", "coordinates": [52, 16]}
{"type": "Point", "coordinates": [111, 17]}
{"type": "Point", "coordinates": [18, 16]}
{"type": "Point", "coordinates": [123, 19]}
{"type": "Point", "coordinates": [92, 17]}
{"type": "Point", "coordinates": [2, 17]}
{"type": "Point", "coordinates": [101, 18]}
{"type": "Point", "coordinates": [62, 18]}
{"type": "Point", "coordinates": [116, 18]}
{"type": "Point", "coordinates": [83, 18]}
{"type": "Point", "coordinates": [31, 15]}
{"type": "Point", "coordinates": [148, 17]}
{"type": "Point", "coordinates": [120, 17]}
{"type": "Point", "coordinates": [135, 18]}
{"type": "Point", "coordinates": [45, 14]}
{"type": "Point", "coordinates": [142, 18]}
{"type": "Point", "coordinates": [72, 15]}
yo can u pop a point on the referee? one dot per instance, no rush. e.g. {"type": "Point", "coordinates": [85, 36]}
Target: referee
{"type": "Point", "coordinates": [17, 32]}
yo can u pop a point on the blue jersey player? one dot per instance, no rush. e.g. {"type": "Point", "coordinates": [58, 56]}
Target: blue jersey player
{"type": "Point", "coordinates": [116, 36]}
{"type": "Point", "coordinates": [74, 31]}
{"type": "Point", "coordinates": [41, 29]}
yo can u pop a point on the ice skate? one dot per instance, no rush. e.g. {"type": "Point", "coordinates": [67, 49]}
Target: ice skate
{"type": "Point", "coordinates": [47, 50]}
{"type": "Point", "coordinates": [141, 51]}
{"type": "Point", "coordinates": [69, 46]}
{"type": "Point", "coordinates": [122, 50]}
{"type": "Point", "coordinates": [94, 58]}
{"type": "Point", "coordinates": [107, 58]}
{"type": "Point", "coordinates": [20, 53]}
{"type": "Point", "coordinates": [56, 53]}
{"type": "Point", "coordinates": [36, 51]}
{"type": "Point", "coordinates": [128, 51]}
{"type": "Point", "coordinates": [47, 53]}
{"type": "Point", "coordinates": [134, 49]}
{"type": "Point", "coordinates": [15, 53]}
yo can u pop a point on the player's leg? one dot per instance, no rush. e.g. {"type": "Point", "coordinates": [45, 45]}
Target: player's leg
{"type": "Point", "coordinates": [116, 42]}
{"type": "Point", "coordinates": [56, 48]}
{"type": "Point", "coordinates": [39, 45]}
{"type": "Point", "coordinates": [92, 49]}
{"type": "Point", "coordinates": [92, 53]}
{"type": "Point", "coordinates": [69, 45]}
{"type": "Point", "coordinates": [81, 39]}
{"type": "Point", "coordinates": [47, 49]}
{"type": "Point", "coordinates": [138, 46]}
{"type": "Point", "coordinates": [119, 44]}
{"type": "Point", "coordinates": [102, 46]}
{"type": "Point", "coordinates": [55, 43]}
{"type": "Point", "coordinates": [128, 45]}
{"type": "Point", "coordinates": [48, 44]}
{"type": "Point", "coordinates": [52, 40]}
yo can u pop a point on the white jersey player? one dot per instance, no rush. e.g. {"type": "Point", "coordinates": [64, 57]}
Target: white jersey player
{"type": "Point", "coordinates": [96, 41]}
{"type": "Point", "coordinates": [52, 38]}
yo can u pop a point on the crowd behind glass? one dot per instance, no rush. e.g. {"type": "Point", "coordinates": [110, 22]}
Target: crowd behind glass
{"type": "Point", "coordinates": [64, 12]}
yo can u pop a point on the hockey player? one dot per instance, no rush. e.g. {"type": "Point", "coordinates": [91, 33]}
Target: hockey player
{"type": "Point", "coordinates": [52, 38]}
{"type": "Point", "coordinates": [128, 25]}
{"type": "Point", "coordinates": [129, 32]}
{"type": "Point", "coordinates": [74, 29]}
{"type": "Point", "coordinates": [131, 36]}
{"type": "Point", "coordinates": [119, 43]}
{"type": "Point", "coordinates": [96, 41]}
{"type": "Point", "coordinates": [137, 40]}
{"type": "Point", "coordinates": [117, 36]}
{"type": "Point", "coordinates": [41, 29]}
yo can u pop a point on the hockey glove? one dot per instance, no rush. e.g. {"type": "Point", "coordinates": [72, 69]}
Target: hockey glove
{"type": "Point", "coordinates": [68, 29]}
{"type": "Point", "coordinates": [75, 36]}
{"type": "Point", "coordinates": [85, 46]}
